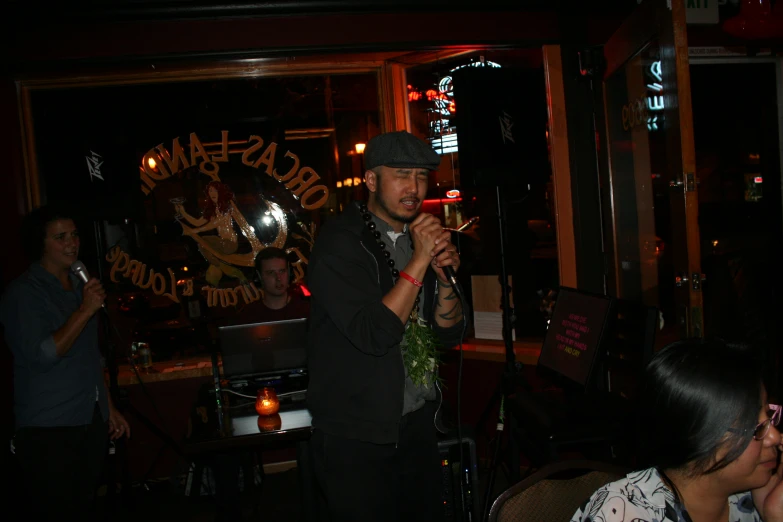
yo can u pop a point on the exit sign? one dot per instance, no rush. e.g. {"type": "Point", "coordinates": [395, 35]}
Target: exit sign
{"type": "Point", "coordinates": [701, 11]}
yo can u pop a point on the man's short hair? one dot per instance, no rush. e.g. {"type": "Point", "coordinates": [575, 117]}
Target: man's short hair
{"type": "Point", "coordinates": [270, 253]}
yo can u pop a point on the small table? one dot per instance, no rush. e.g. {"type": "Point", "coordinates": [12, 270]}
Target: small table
{"type": "Point", "coordinates": [241, 428]}
{"type": "Point", "coordinates": [246, 429]}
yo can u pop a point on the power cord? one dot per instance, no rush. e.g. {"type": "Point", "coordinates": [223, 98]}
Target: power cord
{"type": "Point", "coordinates": [463, 471]}
{"type": "Point", "coordinates": [284, 394]}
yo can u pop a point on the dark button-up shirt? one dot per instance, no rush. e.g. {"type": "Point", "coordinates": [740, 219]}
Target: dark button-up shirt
{"type": "Point", "coordinates": [51, 390]}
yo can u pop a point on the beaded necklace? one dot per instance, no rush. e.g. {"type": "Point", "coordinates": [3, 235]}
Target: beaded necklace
{"type": "Point", "coordinates": [367, 217]}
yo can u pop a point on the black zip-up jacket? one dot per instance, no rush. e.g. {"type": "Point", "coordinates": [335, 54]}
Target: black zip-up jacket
{"type": "Point", "coordinates": [355, 363]}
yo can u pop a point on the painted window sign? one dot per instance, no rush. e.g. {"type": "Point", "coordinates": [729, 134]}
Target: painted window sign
{"type": "Point", "coordinates": [227, 229]}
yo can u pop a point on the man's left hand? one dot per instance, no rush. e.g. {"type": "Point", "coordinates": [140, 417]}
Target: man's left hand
{"type": "Point", "coordinates": [118, 426]}
{"type": "Point", "coordinates": [447, 257]}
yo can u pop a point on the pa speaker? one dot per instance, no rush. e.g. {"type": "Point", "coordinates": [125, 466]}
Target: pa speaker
{"type": "Point", "coordinates": [501, 120]}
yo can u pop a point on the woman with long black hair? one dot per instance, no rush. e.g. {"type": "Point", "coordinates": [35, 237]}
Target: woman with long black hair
{"type": "Point", "coordinates": [710, 439]}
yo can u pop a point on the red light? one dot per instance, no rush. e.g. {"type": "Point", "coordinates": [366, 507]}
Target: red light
{"type": "Point", "coordinates": [305, 291]}
{"type": "Point", "coordinates": [441, 200]}
{"type": "Point", "coordinates": [431, 94]}
{"type": "Point", "coordinates": [452, 193]}
{"type": "Point", "coordinates": [758, 179]}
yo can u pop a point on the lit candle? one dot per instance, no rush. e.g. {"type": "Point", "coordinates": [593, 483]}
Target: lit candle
{"type": "Point", "coordinates": [267, 402]}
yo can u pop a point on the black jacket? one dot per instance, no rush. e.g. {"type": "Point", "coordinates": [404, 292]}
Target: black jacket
{"type": "Point", "coordinates": [356, 371]}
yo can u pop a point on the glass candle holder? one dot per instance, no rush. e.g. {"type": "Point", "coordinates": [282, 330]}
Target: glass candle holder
{"type": "Point", "coordinates": [267, 402]}
{"type": "Point", "coordinates": [268, 423]}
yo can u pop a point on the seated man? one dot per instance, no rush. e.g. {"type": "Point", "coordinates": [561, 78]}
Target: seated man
{"type": "Point", "coordinates": [280, 300]}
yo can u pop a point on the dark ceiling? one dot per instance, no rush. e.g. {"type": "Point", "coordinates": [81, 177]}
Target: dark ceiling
{"type": "Point", "coordinates": [45, 36]}
{"type": "Point", "coordinates": [137, 10]}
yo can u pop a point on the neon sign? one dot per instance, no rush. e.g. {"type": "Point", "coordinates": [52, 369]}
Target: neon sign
{"type": "Point", "coordinates": [647, 109]}
{"type": "Point", "coordinates": [655, 99]}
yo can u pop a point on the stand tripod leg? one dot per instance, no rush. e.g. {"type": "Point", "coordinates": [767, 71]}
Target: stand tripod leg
{"type": "Point", "coordinates": [493, 471]}
{"type": "Point", "coordinates": [155, 429]}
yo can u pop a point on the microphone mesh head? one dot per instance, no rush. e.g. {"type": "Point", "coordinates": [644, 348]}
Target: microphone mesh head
{"type": "Point", "coordinates": [80, 270]}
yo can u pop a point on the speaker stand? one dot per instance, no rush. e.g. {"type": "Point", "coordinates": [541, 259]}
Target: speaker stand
{"type": "Point", "coordinates": [510, 378]}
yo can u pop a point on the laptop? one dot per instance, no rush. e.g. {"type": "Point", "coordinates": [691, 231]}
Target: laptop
{"type": "Point", "coordinates": [265, 354]}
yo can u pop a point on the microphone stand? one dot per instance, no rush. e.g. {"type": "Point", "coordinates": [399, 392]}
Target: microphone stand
{"type": "Point", "coordinates": [510, 379]}
{"type": "Point", "coordinates": [120, 450]}
{"type": "Point", "coordinates": [125, 404]}
{"type": "Point", "coordinates": [111, 348]}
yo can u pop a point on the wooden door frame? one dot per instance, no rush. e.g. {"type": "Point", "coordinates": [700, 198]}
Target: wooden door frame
{"type": "Point", "coordinates": [654, 21]}
{"type": "Point", "coordinates": [560, 158]}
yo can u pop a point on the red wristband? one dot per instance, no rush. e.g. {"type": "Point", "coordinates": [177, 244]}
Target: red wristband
{"type": "Point", "coordinates": [411, 279]}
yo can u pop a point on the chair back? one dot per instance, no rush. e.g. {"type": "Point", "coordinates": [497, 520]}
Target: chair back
{"type": "Point", "coordinates": [554, 492]}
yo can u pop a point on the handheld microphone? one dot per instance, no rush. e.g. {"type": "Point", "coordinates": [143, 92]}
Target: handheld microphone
{"type": "Point", "coordinates": [452, 277]}
{"type": "Point", "coordinates": [450, 274]}
{"type": "Point", "coordinates": [80, 271]}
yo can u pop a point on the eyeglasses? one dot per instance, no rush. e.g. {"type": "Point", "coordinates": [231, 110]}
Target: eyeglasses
{"type": "Point", "coordinates": [762, 428]}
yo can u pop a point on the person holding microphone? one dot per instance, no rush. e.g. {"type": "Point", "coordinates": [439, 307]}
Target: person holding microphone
{"type": "Point", "coordinates": [381, 298]}
{"type": "Point", "coordinates": [62, 409]}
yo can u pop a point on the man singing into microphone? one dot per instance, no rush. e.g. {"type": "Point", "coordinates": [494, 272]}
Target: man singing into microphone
{"type": "Point", "coordinates": [375, 269]}
{"type": "Point", "coordinates": [61, 405]}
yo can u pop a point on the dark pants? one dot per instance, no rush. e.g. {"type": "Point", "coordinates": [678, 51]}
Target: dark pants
{"type": "Point", "coordinates": [362, 481]}
{"type": "Point", "coordinates": [61, 467]}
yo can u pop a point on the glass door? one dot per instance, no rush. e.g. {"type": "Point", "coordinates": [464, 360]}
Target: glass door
{"type": "Point", "coordinates": [654, 251]}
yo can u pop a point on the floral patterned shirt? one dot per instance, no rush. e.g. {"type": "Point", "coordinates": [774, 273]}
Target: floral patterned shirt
{"type": "Point", "coordinates": [642, 496]}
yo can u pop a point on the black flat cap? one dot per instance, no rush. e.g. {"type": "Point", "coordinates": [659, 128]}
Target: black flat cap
{"type": "Point", "coordinates": [400, 149]}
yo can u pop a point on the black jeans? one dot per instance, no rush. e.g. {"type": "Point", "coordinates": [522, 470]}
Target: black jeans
{"type": "Point", "coordinates": [362, 481]}
{"type": "Point", "coordinates": [61, 467]}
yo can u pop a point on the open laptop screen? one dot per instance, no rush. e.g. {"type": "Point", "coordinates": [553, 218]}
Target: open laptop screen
{"type": "Point", "coordinates": [575, 333]}
{"type": "Point", "coordinates": [263, 348]}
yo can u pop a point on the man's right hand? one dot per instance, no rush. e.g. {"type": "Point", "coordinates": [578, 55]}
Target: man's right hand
{"type": "Point", "coordinates": [93, 296]}
{"type": "Point", "coordinates": [429, 237]}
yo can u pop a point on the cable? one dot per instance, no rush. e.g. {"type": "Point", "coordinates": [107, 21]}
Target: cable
{"type": "Point", "coordinates": [284, 394]}
{"type": "Point", "coordinates": [462, 470]}
{"type": "Point", "coordinates": [240, 394]}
